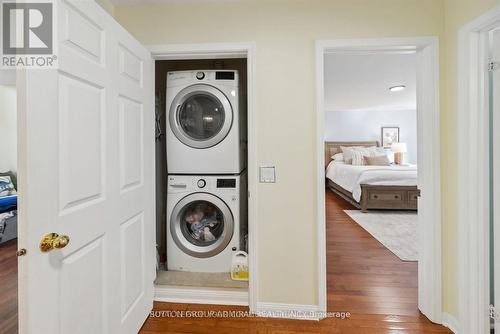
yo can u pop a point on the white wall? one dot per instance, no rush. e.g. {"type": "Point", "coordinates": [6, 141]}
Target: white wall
{"type": "Point", "coordinates": [8, 128]}
{"type": "Point", "coordinates": [7, 77]}
{"type": "Point", "coordinates": [366, 125]}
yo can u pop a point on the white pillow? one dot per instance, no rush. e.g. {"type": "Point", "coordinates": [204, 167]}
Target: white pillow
{"type": "Point", "coordinates": [358, 156]}
{"type": "Point", "coordinates": [338, 157]}
{"type": "Point", "coordinates": [355, 154]}
{"type": "Point", "coordinates": [347, 152]}
{"type": "Point", "coordinates": [6, 186]}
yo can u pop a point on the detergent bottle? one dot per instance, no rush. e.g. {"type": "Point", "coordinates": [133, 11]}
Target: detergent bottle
{"type": "Point", "coordinates": [239, 266]}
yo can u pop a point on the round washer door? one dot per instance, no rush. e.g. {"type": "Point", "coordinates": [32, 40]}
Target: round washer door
{"type": "Point", "coordinates": [201, 225]}
{"type": "Point", "coordinates": [200, 116]}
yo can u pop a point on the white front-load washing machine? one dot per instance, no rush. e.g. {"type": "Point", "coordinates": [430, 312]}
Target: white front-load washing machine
{"type": "Point", "coordinates": [206, 221]}
{"type": "Point", "coordinates": [206, 125]}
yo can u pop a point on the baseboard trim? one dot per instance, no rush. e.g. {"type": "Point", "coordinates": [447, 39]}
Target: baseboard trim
{"type": "Point", "coordinates": [194, 295]}
{"type": "Point", "coordinates": [289, 311]}
{"type": "Point", "coordinates": [451, 322]}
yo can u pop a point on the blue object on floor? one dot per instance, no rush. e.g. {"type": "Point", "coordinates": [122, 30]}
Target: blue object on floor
{"type": "Point", "coordinates": [8, 203]}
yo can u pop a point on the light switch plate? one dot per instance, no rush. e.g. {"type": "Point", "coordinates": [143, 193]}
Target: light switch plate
{"type": "Point", "coordinates": [267, 174]}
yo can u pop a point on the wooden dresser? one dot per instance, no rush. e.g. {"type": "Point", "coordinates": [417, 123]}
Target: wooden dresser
{"type": "Point", "coordinates": [389, 197]}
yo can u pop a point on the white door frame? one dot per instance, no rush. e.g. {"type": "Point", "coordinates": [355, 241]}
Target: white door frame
{"type": "Point", "coordinates": [231, 50]}
{"type": "Point", "coordinates": [8, 77]}
{"type": "Point", "coordinates": [473, 177]}
{"type": "Point", "coordinates": [427, 49]}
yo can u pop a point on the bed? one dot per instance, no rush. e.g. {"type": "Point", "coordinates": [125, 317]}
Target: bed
{"type": "Point", "coordinates": [371, 187]}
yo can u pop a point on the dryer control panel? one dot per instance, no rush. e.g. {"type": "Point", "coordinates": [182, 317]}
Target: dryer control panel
{"type": "Point", "coordinates": [205, 183]}
{"type": "Point", "coordinates": [226, 183]}
{"type": "Point", "coordinates": [218, 77]}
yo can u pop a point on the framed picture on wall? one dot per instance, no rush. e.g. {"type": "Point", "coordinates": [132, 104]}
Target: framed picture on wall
{"type": "Point", "coordinates": [390, 134]}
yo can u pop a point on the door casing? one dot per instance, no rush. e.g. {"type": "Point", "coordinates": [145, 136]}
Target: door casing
{"type": "Point", "coordinates": [428, 132]}
{"type": "Point", "coordinates": [220, 51]}
{"type": "Point", "coordinates": [473, 177]}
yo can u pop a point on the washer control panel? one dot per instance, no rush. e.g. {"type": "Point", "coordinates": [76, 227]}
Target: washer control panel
{"type": "Point", "coordinates": [200, 75]}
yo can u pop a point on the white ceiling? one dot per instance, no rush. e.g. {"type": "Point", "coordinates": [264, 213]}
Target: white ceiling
{"type": "Point", "coordinates": [362, 81]}
{"type": "Point", "coordinates": [159, 2]}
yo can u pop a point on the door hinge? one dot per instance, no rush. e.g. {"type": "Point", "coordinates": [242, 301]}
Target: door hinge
{"type": "Point", "coordinates": [21, 252]}
{"type": "Point", "coordinates": [493, 66]}
{"type": "Point", "coordinates": [494, 313]}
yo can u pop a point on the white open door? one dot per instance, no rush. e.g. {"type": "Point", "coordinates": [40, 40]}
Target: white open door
{"type": "Point", "coordinates": [86, 138]}
{"type": "Point", "coordinates": [495, 105]}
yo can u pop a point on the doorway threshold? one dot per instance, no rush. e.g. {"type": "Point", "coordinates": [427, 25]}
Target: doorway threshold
{"type": "Point", "coordinates": [200, 288]}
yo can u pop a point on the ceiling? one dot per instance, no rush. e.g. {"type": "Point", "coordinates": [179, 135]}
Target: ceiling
{"type": "Point", "coordinates": [355, 82]}
{"type": "Point", "coordinates": [141, 2]}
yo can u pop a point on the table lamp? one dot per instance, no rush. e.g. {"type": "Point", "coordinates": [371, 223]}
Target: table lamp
{"type": "Point", "coordinates": [399, 150]}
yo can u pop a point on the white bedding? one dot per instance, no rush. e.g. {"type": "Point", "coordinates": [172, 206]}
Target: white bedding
{"type": "Point", "coordinates": [351, 177]}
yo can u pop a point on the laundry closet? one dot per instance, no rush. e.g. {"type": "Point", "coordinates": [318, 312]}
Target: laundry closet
{"type": "Point", "coordinates": [201, 176]}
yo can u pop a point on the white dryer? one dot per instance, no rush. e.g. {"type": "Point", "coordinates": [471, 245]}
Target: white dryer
{"type": "Point", "coordinates": [206, 221]}
{"type": "Point", "coordinates": [206, 125]}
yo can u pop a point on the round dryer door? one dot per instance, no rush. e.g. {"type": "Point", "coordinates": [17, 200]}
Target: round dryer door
{"type": "Point", "coordinates": [201, 225]}
{"type": "Point", "coordinates": [201, 116]}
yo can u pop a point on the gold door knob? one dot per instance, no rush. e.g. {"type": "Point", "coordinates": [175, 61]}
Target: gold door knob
{"type": "Point", "coordinates": [53, 240]}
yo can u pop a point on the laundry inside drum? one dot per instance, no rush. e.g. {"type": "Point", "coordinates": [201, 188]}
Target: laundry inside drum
{"type": "Point", "coordinates": [202, 223]}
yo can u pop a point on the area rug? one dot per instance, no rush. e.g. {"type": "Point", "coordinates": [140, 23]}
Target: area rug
{"type": "Point", "coordinates": [397, 231]}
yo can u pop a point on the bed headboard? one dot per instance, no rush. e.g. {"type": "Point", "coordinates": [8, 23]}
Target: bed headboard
{"type": "Point", "coordinates": [333, 147]}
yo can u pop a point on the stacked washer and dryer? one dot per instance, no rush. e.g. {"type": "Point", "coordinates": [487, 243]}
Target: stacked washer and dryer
{"type": "Point", "coordinates": [206, 161]}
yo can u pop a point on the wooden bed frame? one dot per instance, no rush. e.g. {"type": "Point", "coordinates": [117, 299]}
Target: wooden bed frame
{"type": "Point", "coordinates": [372, 196]}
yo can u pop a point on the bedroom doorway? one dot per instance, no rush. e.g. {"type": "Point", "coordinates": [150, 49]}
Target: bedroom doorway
{"type": "Point", "coordinates": [371, 190]}
{"type": "Point", "coordinates": [8, 202]}
{"type": "Point", "coordinates": [351, 228]}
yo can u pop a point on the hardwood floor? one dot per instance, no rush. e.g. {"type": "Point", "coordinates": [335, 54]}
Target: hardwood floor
{"type": "Point", "coordinates": [364, 278]}
{"type": "Point", "coordinates": [8, 286]}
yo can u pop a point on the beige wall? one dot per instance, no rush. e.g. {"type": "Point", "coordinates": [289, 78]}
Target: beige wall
{"type": "Point", "coordinates": [8, 126]}
{"type": "Point", "coordinates": [457, 13]}
{"type": "Point", "coordinates": [285, 31]}
{"type": "Point", "coordinates": [107, 5]}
